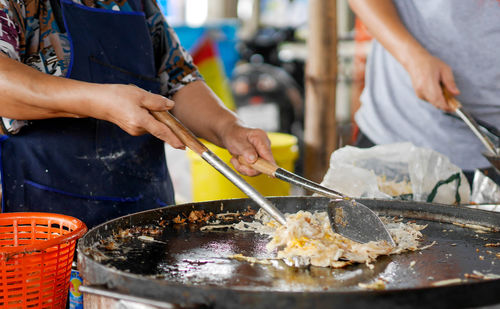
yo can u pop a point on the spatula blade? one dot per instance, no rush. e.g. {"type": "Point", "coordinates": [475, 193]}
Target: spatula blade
{"type": "Point", "coordinates": [357, 222]}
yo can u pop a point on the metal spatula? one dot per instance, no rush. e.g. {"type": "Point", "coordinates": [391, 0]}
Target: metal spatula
{"type": "Point", "coordinates": [348, 217]}
{"type": "Point", "coordinates": [361, 224]}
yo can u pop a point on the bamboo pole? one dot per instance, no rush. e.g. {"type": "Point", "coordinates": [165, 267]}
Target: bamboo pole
{"type": "Point", "coordinates": [320, 136]}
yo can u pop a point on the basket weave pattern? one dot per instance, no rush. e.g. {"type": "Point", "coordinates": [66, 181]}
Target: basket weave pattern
{"type": "Point", "coordinates": [36, 253]}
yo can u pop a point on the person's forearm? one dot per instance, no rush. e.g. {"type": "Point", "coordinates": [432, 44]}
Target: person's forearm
{"type": "Point", "coordinates": [199, 109]}
{"type": "Point", "coordinates": [29, 94]}
{"type": "Point", "coordinates": [428, 73]}
{"type": "Point", "coordinates": [382, 20]}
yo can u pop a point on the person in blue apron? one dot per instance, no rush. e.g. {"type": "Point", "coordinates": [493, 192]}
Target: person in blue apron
{"type": "Point", "coordinates": [78, 81]}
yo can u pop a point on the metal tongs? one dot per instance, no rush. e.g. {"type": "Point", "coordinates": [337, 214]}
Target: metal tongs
{"type": "Point", "coordinates": [347, 217]}
{"type": "Point", "coordinates": [493, 153]}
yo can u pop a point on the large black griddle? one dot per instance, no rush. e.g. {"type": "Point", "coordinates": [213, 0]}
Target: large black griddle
{"type": "Point", "coordinates": [189, 267]}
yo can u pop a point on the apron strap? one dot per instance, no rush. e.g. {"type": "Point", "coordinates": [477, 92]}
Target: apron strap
{"type": "Point", "coordinates": [56, 10]}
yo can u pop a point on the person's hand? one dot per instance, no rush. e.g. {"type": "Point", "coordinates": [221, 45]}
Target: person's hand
{"type": "Point", "coordinates": [428, 74]}
{"type": "Point", "coordinates": [128, 107]}
{"type": "Point", "coordinates": [249, 143]}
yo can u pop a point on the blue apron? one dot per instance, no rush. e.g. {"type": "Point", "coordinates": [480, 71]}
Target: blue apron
{"type": "Point", "coordinates": [88, 168]}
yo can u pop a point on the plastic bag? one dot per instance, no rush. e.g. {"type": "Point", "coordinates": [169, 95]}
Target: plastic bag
{"type": "Point", "coordinates": [484, 190]}
{"type": "Point", "coordinates": [397, 171]}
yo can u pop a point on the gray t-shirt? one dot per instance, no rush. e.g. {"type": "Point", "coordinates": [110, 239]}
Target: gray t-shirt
{"type": "Point", "coordinates": [466, 35]}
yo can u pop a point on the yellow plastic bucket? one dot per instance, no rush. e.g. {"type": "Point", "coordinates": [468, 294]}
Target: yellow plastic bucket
{"type": "Point", "coordinates": [208, 184]}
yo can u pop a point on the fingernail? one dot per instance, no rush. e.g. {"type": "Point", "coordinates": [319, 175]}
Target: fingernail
{"type": "Point", "coordinates": [169, 103]}
{"type": "Point", "coordinates": [251, 158]}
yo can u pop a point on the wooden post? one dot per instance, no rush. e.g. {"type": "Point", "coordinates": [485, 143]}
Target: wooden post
{"type": "Point", "coordinates": [230, 8]}
{"type": "Point", "coordinates": [219, 9]}
{"type": "Point", "coordinates": [320, 136]}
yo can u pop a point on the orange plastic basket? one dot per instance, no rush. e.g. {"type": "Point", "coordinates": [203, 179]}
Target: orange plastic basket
{"type": "Point", "coordinates": [36, 253]}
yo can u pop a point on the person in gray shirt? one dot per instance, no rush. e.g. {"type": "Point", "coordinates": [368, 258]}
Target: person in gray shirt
{"type": "Point", "coordinates": [419, 47]}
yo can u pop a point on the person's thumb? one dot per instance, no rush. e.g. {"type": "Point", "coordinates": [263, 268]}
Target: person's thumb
{"type": "Point", "coordinates": [158, 103]}
{"type": "Point", "coordinates": [448, 81]}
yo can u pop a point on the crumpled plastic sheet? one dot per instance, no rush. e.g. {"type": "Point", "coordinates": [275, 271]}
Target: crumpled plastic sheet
{"type": "Point", "coordinates": [484, 190]}
{"type": "Point", "coordinates": [433, 178]}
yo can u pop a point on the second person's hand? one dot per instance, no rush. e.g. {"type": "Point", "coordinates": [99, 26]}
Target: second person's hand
{"type": "Point", "coordinates": [428, 75]}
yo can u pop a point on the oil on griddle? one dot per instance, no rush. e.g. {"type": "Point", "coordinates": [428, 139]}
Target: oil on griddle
{"type": "Point", "coordinates": [176, 250]}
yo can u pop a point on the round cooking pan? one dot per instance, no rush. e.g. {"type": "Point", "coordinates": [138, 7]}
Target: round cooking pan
{"type": "Point", "coordinates": [189, 267]}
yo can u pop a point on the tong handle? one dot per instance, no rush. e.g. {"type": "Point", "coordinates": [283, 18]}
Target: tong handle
{"type": "Point", "coordinates": [275, 171]}
{"type": "Point", "coordinates": [469, 120]}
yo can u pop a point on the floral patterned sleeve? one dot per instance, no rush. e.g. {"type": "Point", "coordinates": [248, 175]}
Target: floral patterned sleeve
{"type": "Point", "coordinates": [9, 45]}
{"type": "Point", "coordinates": [174, 64]}
{"type": "Point", "coordinates": [9, 32]}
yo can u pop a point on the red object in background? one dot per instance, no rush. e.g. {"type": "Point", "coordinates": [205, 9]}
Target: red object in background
{"type": "Point", "coordinates": [361, 32]}
{"type": "Point", "coordinates": [205, 50]}
{"type": "Point", "coordinates": [361, 38]}
{"type": "Point", "coordinates": [256, 100]}
{"type": "Point", "coordinates": [207, 58]}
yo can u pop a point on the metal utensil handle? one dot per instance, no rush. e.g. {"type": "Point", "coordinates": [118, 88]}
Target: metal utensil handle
{"type": "Point", "coordinates": [190, 140]}
{"type": "Point", "coordinates": [309, 185]}
{"type": "Point", "coordinates": [475, 129]}
{"type": "Point", "coordinates": [469, 121]}
{"type": "Point", "coordinates": [238, 181]}
{"type": "Point", "coordinates": [273, 170]}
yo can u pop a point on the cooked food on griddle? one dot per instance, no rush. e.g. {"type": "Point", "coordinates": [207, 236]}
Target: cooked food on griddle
{"type": "Point", "coordinates": [308, 239]}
